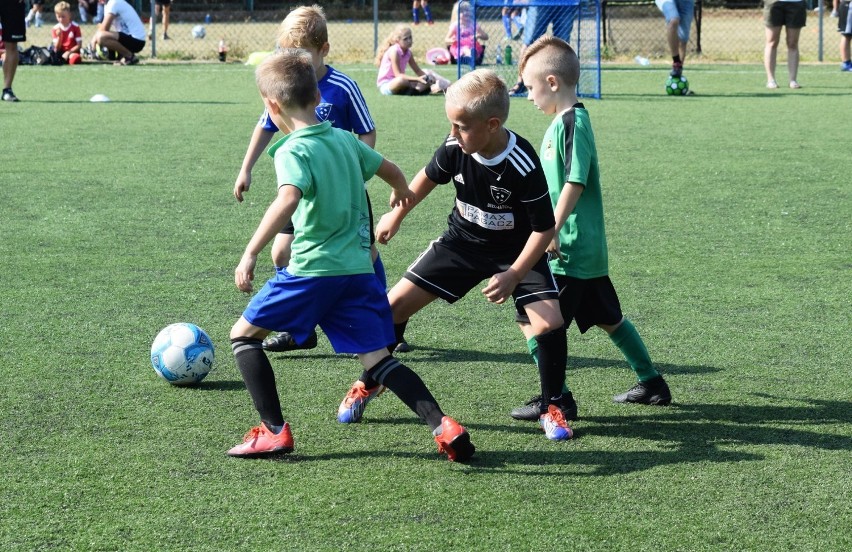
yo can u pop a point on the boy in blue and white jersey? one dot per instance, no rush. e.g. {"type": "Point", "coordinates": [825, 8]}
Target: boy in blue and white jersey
{"type": "Point", "coordinates": [341, 104]}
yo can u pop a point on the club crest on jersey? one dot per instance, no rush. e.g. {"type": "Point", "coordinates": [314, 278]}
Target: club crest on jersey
{"type": "Point", "coordinates": [500, 195]}
{"type": "Point", "coordinates": [323, 111]}
{"type": "Point", "coordinates": [459, 178]}
{"type": "Point", "coordinates": [548, 151]}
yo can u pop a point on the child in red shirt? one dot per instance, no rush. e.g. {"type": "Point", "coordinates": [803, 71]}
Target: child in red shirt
{"type": "Point", "coordinates": [67, 36]}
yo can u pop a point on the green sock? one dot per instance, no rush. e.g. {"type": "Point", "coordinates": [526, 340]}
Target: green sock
{"type": "Point", "coordinates": [627, 339]}
{"type": "Point", "coordinates": [532, 345]}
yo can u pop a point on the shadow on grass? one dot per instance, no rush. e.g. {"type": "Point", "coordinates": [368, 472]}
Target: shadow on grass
{"type": "Point", "coordinates": [692, 433]}
{"type": "Point", "coordinates": [457, 355]}
{"type": "Point", "coordinates": [421, 354]}
{"type": "Point", "coordinates": [774, 94]}
{"type": "Point", "coordinates": [153, 102]}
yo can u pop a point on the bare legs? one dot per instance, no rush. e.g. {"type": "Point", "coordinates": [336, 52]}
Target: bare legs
{"type": "Point", "coordinates": [770, 55]}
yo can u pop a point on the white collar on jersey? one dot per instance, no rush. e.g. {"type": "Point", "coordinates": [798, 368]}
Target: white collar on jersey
{"type": "Point", "coordinates": [494, 161]}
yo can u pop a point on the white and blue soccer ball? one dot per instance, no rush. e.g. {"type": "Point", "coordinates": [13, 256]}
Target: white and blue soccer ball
{"type": "Point", "coordinates": [199, 31]}
{"type": "Point", "coordinates": [182, 354]}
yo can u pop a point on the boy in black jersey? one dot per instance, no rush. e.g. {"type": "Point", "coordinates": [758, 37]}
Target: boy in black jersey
{"type": "Point", "coordinates": [500, 226]}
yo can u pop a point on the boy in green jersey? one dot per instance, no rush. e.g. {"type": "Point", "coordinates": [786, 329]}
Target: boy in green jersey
{"type": "Point", "coordinates": [550, 70]}
{"type": "Point", "coordinates": [330, 280]}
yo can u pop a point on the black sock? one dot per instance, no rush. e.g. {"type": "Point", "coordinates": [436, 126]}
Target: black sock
{"type": "Point", "coordinates": [259, 379]}
{"type": "Point", "coordinates": [410, 389]}
{"type": "Point", "coordinates": [676, 59]}
{"type": "Point", "coordinates": [552, 361]}
{"type": "Point", "coordinates": [399, 334]}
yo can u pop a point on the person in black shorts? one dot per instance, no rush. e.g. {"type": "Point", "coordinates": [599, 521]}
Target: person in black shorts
{"type": "Point", "coordinates": [550, 70]}
{"type": "Point", "coordinates": [499, 228]}
{"type": "Point", "coordinates": [12, 13]}
{"type": "Point", "coordinates": [130, 37]}
{"type": "Point", "coordinates": [163, 7]}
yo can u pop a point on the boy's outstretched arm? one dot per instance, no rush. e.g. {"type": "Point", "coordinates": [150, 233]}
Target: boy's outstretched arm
{"type": "Point", "coordinates": [388, 225]}
{"type": "Point", "coordinates": [260, 138]}
{"type": "Point", "coordinates": [501, 285]}
{"type": "Point", "coordinates": [391, 173]}
{"type": "Point", "coordinates": [276, 217]}
{"type": "Point", "coordinates": [568, 198]}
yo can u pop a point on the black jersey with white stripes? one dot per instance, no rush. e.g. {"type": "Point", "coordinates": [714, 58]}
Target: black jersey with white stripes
{"type": "Point", "coordinates": [499, 201]}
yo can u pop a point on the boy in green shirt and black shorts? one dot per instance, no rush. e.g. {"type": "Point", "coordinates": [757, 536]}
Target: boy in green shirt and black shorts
{"type": "Point", "coordinates": [550, 70]}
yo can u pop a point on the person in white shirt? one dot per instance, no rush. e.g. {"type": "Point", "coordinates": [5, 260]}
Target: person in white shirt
{"type": "Point", "coordinates": [129, 39]}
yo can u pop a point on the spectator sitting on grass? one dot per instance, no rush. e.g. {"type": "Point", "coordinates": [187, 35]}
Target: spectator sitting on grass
{"type": "Point", "coordinates": [393, 58]}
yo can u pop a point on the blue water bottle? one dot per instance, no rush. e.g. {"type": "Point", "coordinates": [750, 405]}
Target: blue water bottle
{"type": "Point", "coordinates": [208, 19]}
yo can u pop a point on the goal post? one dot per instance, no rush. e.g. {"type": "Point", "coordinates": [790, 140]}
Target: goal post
{"type": "Point", "coordinates": [576, 21]}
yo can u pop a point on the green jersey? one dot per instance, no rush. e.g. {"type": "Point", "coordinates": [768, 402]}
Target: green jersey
{"type": "Point", "coordinates": [332, 220]}
{"type": "Point", "coordinates": [568, 154]}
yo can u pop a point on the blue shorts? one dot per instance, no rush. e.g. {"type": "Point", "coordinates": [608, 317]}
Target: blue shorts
{"type": "Point", "coordinates": [352, 310]}
{"type": "Point", "coordinates": [682, 10]}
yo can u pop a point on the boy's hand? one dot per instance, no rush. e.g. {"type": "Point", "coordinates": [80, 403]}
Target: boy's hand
{"type": "Point", "coordinates": [500, 286]}
{"type": "Point", "coordinates": [244, 273]}
{"type": "Point", "coordinates": [553, 248]}
{"type": "Point", "coordinates": [402, 198]}
{"type": "Point", "coordinates": [242, 185]}
{"type": "Point", "coordinates": [386, 229]}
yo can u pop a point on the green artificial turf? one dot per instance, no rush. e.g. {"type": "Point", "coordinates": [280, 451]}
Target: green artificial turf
{"type": "Point", "coordinates": [729, 238]}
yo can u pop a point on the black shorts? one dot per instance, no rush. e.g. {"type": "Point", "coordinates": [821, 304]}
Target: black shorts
{"type": "Point", "coordinates": [133, 44]}
{"type": "Point", "coordinates": [163, 2]}
{"type": "Point", "coordinates": [290, 229]}
{"type": "Point", "coordinates": [449, 271]}
{"type": "Point", "coordinates": [844, 18]}
{"type": "Point", "coordinates": [12, 15]}
{"type": "Point", "coordinates": [589, 302]}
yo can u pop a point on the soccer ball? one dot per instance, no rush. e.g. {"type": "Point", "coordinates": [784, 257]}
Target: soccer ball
{"type": "Point", "coordinates": [677, 86]}
{"type": "Point", "coordinates": [182, 354]}
{"type": "Point", "coordinates": [198, 31]}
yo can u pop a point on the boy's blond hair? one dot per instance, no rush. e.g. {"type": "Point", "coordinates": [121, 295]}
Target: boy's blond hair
{"type": "Point", "coordinates": [481, 94]}
{"type": "Point", "coordinates": [557, 58]}
{"type": "Point", "coordinates": [62, 7]}
{"type": "Point", "coordinates": [393, 38]}
{"type": "Point", "coordinates": [288, 78]}
{"type": "Point", "coordinates": [304, 27]}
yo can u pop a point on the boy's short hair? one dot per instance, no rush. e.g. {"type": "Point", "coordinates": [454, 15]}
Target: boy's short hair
{"type": "Point", "coordinates": [288, 77]}
{"type": "Point", "coordinates": [558, 59]}
{"type": "Point", "coordinates": [303, 27]}
{"type": "Point", "coordinates": [481, 94]}
{"type": "Point", "coordinates": [61, 7]}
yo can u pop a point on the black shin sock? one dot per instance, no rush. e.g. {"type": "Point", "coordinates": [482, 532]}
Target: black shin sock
{"type": "Point", "coordinates": [410, 389]}
{"type": "Point", "coordinates": [552, 361]}
{"type": "Point", "coordinates": [399, 331]}
{"type": "Point", "coordinates": [259, 379]}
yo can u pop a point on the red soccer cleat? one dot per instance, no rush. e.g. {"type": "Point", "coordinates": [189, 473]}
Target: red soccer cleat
{"type": "Point", "coordinates": [260, 441]}
{"type": "Point", "coordinates": [454, 440]}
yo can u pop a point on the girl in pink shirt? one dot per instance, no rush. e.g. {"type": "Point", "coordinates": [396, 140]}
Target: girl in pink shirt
{"type": "Point", "coordinates": [393, 58]}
